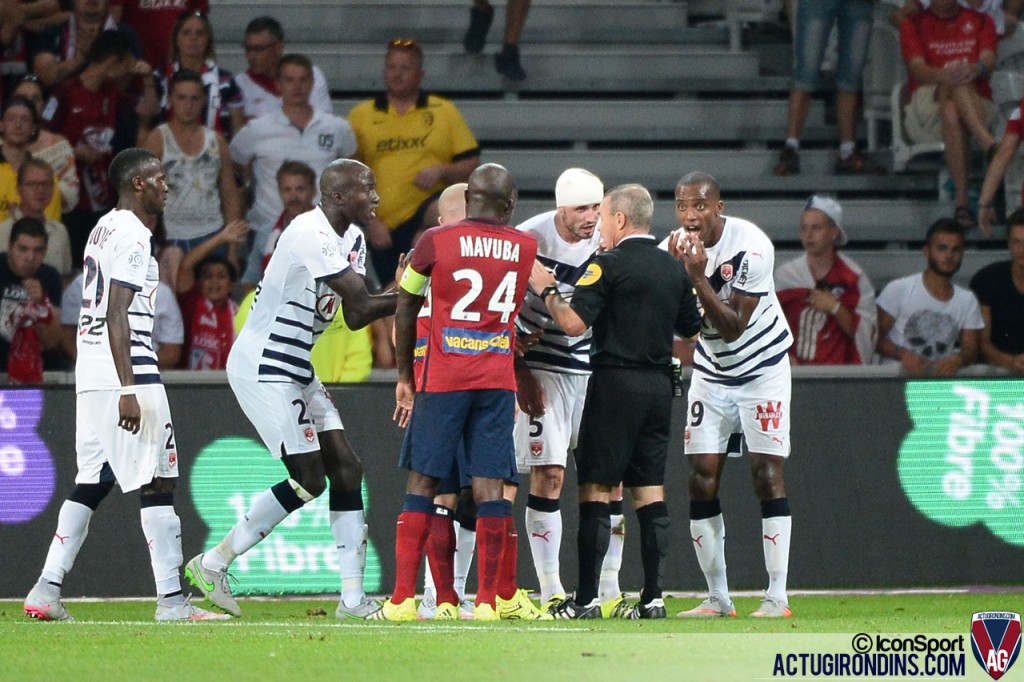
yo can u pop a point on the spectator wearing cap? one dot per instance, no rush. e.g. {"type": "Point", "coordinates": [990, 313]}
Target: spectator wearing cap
{"type": "Point", "coordinates": [417, 144]}
{"type": "Point", "coordinates": [827, 298]}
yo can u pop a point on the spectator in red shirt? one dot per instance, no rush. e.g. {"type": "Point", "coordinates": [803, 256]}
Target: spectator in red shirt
{"type": "Point", "coordinates": [950, 52]}
{"type": "Point", "coordinates": [1008, 146]}
{"type": "Point", "coordinates": [153, 22]}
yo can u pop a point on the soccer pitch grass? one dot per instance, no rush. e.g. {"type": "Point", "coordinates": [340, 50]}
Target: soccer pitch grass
{"type": "Point", "coordinates": [300, 639]}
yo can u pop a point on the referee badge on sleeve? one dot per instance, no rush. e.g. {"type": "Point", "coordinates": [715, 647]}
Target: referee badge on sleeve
{"type": "Point", "coordinates": [592, 274]}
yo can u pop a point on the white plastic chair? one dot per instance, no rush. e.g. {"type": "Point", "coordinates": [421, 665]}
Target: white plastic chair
{"type": "Point", "coordinates": [903, 150]}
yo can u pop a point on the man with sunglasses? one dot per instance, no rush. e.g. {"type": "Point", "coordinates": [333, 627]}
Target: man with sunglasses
{"type": "Point", "coordinates": [417, 145]}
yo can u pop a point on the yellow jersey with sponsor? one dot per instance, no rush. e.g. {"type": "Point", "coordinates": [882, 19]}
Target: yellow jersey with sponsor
{"type": "Point", "coordinates": [398, 146]}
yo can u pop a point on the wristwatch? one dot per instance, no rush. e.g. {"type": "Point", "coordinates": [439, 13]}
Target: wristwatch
{"type": "Point", "coordinates": [547, 291]}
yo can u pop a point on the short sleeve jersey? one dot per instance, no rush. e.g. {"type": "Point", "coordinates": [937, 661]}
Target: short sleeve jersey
{"type": "Point", "coordinates": [119, 250]}
{"type": "Point", "coordinates": [945, 41]}
{"type": "Point", "coordinates": [993, 285]}
{"type": "Point", "coordinates": [927, 326]}
{"type": "Point", "coordinates": [556, 352]}
{"type": "Point", "coordinates": [635, 296]}
{"type": "Point", "coordinates": [743, 260]}
{"type": "Point", "coordinates": [398, 146]}
{"type": "Point", "coordinates": [293, 304]}
{"type": "Point", "coordinates": [478, 274]}
{"type": "Point", "coordinates": [818, 338]}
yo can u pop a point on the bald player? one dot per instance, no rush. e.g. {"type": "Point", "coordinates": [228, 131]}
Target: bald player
{"type": "Point", "coordinates": [319, 265]}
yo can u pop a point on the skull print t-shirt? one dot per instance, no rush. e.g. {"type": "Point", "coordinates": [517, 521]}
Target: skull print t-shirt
{"type": "Point", "coordinates": [925, 325]}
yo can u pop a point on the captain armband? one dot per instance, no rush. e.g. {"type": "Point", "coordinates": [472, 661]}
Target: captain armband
{"type": "Point", "coordinates": [415, 283]}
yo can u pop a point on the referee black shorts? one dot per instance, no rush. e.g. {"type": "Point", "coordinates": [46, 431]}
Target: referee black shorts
{"type": "Point", "coordinates": [624, 431]}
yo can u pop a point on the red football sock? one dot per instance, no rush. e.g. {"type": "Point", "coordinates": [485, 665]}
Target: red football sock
{"type": "Point", "coordinates": [490, 541]}
{"type": "Point", "coordinates": [510, 554]}
{"type": "Point", "coordinates": [410, 537]}
{"type": "Point", "coordinates": [441, 553]}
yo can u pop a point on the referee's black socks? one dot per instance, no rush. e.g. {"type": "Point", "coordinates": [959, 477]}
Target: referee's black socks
{"type": "Point", "coordinates": [592, 545]}
{"type": "Point", "coordinates": [654, 540]}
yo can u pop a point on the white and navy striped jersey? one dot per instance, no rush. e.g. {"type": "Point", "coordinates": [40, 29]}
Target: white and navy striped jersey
{"type": "Point", "coordinates": [556, 352]}
{"type": "Point", "coordinates": [119, 250]}
{"type": "Point", "coordinates": [293, 303]}
{"type": "Point", "coordinates": [743, 260]}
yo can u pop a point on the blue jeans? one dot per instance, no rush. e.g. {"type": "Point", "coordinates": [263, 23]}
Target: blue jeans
{"type": "Point", "coordinates": [814, 20]}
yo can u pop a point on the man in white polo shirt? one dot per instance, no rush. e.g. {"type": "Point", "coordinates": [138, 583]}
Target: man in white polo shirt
{"type": "Point", "coordinates": [294, 132]}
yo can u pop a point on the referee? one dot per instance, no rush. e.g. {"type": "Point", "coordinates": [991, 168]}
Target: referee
{"type": "Point", "coordinates": [635, 296]}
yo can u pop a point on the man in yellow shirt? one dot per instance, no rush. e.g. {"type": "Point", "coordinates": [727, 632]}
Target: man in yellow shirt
{"type": "Point", "coordinates": [416, 144]}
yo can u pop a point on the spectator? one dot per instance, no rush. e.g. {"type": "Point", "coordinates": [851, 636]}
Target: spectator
{"type": "Point", "coordinates": [85, 110]}
{"type": "Point", "coordinates": [19, 125]}
{"type": "Point", "coordinates": [203, 195]}
{"type": "Point", "coordinates": [192, 48]}
{"type": "Point", "coordinates": [29, 294]}
{"type": "Point", "coordinates": [814, 22]}
{"type": "Point", "coordinates": [1000, 291]}
{"type": "Point", "coordinates": [296, 130]}
{"type": "Point", "coordinates": [264, 46]}
{"type": "Point", "coordinates": [36, 189]}
{"type": "Point", "coordinates": [13, 45]}
{"type": "Point", "coordinates": [168, 330]}
{"type": "Point", "coordinates": [929, 325]}
{"type": "Point", "coordinates": [52, 148]}
{"type": "Point", "coordinates": [62, 50]}
{"type": "Point", "coordinates": [153, 22]}
{"type": "Point", "coordinates": [417, 144]}
{"type": "Point", "coordinates": [208, 310]}
{"type": "Point", "coordinates": [828, 300]}
{"type": "Point", "coordinates": [950, 52]}
{"type": "Point", "coordinates": [996, 170]}
{"type": "Point", "coordinates": [1005, 13]}
{"type": "Point", "coordinates": [480, 17]}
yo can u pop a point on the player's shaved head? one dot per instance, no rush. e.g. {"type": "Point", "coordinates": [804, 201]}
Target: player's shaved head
{"type": "Point", "coordinates": [128, 164]}
{"type": "Point", "coordinates": [451, 205]}
{"type": "Point", "coordinates": [340, 175]}
{"type": "Point", "coordinates": [714, 192]}
{"type": "Point", "coordinates": [491, 193]}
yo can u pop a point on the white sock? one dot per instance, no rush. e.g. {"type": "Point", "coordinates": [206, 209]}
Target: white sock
{"type": "Point", "coordinates": [609, 587]}
{"type": "Point", "coordinates": [349, 530]}
{"type": "Point", "coordinates": [793, 142]}
{"type": "Point", "coordinates": [429, 591]}
{"type": "Point", "coordinates": [847, 148]}
{"type": "Point", "coordinates": [266, 512]}
{"type": "Point", "coordinates": [545, 529]}
{"type": "Point", "coordinates": [465, 544]}
{"type": "Point", "coordinates": [162, 529]}
{"type": "Point", "coordinates": [776, 532]}
{"type": "Point", "coordinates": [708, 537]}
{"type": "Point", "coordinates": [72, 529]}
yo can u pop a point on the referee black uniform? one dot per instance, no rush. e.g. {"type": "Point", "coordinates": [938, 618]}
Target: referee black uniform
{"type": "Point", "coordinates": [635, 297]}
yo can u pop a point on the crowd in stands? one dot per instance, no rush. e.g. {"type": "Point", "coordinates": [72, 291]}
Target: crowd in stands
{"type": "Point", "coordinates": [84, 79]}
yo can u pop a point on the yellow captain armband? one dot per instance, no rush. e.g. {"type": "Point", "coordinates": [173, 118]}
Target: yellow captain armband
{"type": "Point", "coordinates": [415, 283]}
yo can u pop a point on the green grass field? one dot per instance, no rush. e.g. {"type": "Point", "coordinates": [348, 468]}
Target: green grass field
{"type": "Point", "coordinates": [300, 639]}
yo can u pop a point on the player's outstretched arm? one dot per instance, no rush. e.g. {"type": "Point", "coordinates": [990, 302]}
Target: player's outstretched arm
{"type": "Point", "coordinates": [129, 414]}
{"type": "Point", "coordinates": [358, 306]}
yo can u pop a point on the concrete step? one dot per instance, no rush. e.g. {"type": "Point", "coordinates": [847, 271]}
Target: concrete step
{"type": "Point", "coordinates": [584, 23]}
{"type": "Point", "coordinates": [634, 69]}
{"type": "Point", "coordinates": [884, 266]}
{"type": "Point", "coordinates": [590, 120]}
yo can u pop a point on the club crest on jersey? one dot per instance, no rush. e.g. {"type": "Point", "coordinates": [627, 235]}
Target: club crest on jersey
{"type": "Point", "coordinates": [327, 306]}
{"type": "Point", "coordinates": [172, 459]}
{"type": "Point", "coordinates": [995, 641]}
{"type": "Point", "coordinates": [592, 274]}
{"type": "Point", "coordinates": [310, 434]}
{"type": "Point", "coordinates": [769, 415]}
{"type": "Point", "coordinates": [536, 448]}
{"type": "Point", "coordinates": [726, 271]}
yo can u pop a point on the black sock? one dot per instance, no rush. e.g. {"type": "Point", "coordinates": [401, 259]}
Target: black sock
{"type": "Point", "coordinates": [592, 545]}
{"type": "Point", "coordinates": [654, 540]}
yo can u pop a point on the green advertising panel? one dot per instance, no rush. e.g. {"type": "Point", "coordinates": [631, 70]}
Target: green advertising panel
{"type": "Point", "coordinates": [299, 556]}
{"type": "Point", "coordinates": [961, 463]}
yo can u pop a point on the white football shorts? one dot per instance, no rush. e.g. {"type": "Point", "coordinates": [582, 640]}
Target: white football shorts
{"type": "Point", "coordinates": [287, 416]}
{"type": "Point", "coordinates": [136, 459]}
{"type": "Point", "coordinates": [547, 440]}
{"type": "Point", "coordinates": [758, 409]}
